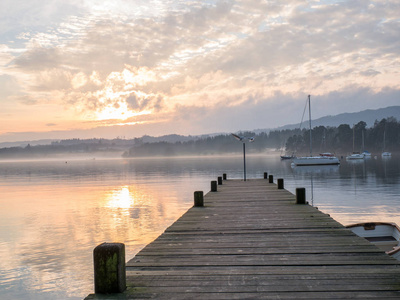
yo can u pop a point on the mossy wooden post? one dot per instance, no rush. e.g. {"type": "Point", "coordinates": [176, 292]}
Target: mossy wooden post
{"type": "Point", "coordinates": [224, 176]}
{"type": "Point", "coordinates": [213, 186]}
{"type": "Point", "coordinates": [300, 196]}
{"type": "Point", "coordinates": [109, 268]}
{"type": "Point", "coordinates": [271, 178]}
{"type": "Point", "coordinates": [198, 199]}
{"type": "Point", "coordinates": [219, 180]}
{"type": "Point", "coordinates": [265, 175]}
{"type": "Point", "coordinates": [280, 184]}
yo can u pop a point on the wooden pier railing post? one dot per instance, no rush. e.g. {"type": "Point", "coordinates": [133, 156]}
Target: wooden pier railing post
{"type": "Point", "coordinates": [300, 196]}
{"type": "Point", "coordinates": [213, 186]}
{"type": "Point", "coordinates": [265, 175]}
{"type": "Point", "coordinates": [224, 176]}
{"type": "Point", "coordinates": [109, 268]}
{"type": "Point", "coordinates": [219, 180]}
{"type": "Point", "coordinates": [198, 198]}
{"type": "Point", "coordinates": [271, 178]}
{"type": "Point", "coordinates": [280, 184]}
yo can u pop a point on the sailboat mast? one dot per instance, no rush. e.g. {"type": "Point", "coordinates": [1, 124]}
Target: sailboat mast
{"type": "Point", "coordinates": [363, 146]}
{"type": "Point", "coordinates": [384, 139]}
{"type": "Point", "coordinates": [309, 117]}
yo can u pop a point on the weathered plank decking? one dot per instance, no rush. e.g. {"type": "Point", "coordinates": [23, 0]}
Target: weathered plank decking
{"type": "Point", "coordinates": [251, 241]}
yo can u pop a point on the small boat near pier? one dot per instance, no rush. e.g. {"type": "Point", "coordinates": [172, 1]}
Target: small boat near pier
{"type": "Point", "coordinates": [384, 235]}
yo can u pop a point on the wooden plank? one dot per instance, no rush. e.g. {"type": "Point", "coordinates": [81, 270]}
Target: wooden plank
{"type": "Point", "coordinates": [252, 241]}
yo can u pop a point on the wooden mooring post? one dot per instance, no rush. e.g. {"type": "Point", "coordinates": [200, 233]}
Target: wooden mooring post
{"type": "Point", "coordinates": [109, 268]}
{"type": "Point", "coordinates": [198, 199]}
{"type": "Point", "coordinates": [213, 186]}
{"type": "Point", "coordinates": [280, 184]}
{"type": "Point", "coordinates": [301, 196]}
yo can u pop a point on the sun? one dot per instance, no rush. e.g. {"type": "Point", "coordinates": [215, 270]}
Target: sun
{"type": "Point", "coordinates": [119, 112]}
{"type": "Point", "coordinates": [121, 115]}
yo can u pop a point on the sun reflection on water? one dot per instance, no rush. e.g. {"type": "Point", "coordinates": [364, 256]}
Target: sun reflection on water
{"type": "Point", "coordinates": [120, 198]}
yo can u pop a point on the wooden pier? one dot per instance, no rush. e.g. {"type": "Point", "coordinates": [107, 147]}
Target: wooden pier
{"type": "Point", "coordinates": [252, 241]}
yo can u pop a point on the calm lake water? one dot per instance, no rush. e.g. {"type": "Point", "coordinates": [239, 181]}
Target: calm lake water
{"type": "Point", "coordinates": [53, 213]}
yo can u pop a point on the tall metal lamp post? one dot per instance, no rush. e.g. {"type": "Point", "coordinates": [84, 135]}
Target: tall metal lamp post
{"type": "Point", "coordinates": [243, 139]}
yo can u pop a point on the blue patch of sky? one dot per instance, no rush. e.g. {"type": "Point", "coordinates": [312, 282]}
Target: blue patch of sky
{"type": "Point", "coordinates": [313, 4]}
{"type": "Point", "coordinates": [266, 25]}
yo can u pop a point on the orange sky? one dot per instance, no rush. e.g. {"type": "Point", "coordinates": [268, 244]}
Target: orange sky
{"type": "Point", "coordinates": [129, 68]}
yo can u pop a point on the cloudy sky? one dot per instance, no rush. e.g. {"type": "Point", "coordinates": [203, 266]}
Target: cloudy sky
{"type": "Point", "coordinates": [89, 68]}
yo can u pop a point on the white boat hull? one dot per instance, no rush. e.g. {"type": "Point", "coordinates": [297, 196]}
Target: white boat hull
{"type": "Point", "coordinates": [355, 156]}
{"type": "Point", "coordinates": [367, 154]}
{"type": "Point", "coordinates": [315, 161]}
{"type": "Point", "coordinates": [384, 235]}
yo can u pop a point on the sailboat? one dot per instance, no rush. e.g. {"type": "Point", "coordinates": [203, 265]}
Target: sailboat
{"type": "Point", "coordinates": [314, 160]}
{"type": "Point", "coordinates": [385, 153]}
{"type": "Point", "coordinates": [366, 153]}
{"type": "Point", "coordinates": [354, 155]}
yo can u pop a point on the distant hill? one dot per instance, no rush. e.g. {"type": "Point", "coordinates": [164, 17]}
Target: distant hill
{"type": "Point", "coordinates": [25, 143]}
{"type": "Point", "coordinates": [368, 116]}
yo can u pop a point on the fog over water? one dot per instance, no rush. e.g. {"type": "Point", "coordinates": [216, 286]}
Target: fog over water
{"type": "Point", "coordinates": [54, 212]}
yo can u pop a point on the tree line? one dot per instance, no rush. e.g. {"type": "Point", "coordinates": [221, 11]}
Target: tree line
{"type": "Point", "coordinates": [339, 140]}
{"type": "Point", "coordinates": [66, 147]}
{"type": "Point", "coordinates": [384, 135]}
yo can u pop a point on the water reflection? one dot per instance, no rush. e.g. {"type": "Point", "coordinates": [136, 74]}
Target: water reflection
{"type": "Point", "coordinates": [120, 198]}
{"type": "Point", "coordinates": [329, 169]}
{"type": "Point", "coordinates": [53, 214]}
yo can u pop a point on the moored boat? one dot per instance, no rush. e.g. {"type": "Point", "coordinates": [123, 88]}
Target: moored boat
{"type": "Point", "coordinates": [314, 160]}
{"type": "Point", "coordinates": [283, 157]}
{"type": "Point", "coordinates": [367, 153]}
{"type": "Point", "coordinates": [382, 234]}
{"type": "Point", "coordinates": [355, 156]}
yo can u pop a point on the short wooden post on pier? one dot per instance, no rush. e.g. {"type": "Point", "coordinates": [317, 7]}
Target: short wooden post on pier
{"type": "Point", "coordinates": [213, 186]}
{"type": "Point", "coordinates": [280, 184]}
{"type": "Point", "coordinates": [198, 199]}
{"type": "Point", "coordinates": [271, 178]}
{"type": "Point", "coordinates": [219, 180]}
{"type": "Point", "coordinates": [300, 196]}
{"type": "Point", "coordinates": [224, 176]}
{"type": "Point", "coordinates": [265, 175]}
{"type": "Point", "coordinates": [109, 268]}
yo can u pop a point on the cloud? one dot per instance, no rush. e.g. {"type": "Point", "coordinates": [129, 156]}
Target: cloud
{"type": "Point", "coordinates": [111, 61]}
{"type": "Point", "coordinates": [141, 102]}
